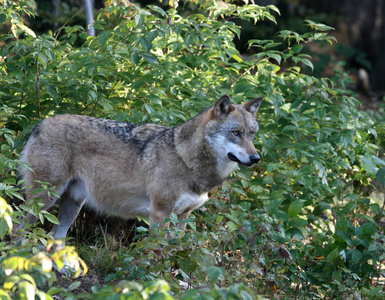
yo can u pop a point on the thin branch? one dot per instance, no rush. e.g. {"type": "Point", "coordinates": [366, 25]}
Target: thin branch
{"type": "Point", "coordinates": [97, 100]}
{"type": "Point", "coordinates": [61, 28]}
{"type": "Point", "coordinates": [102, 91]}
{"type": "Point", "coordinates": [261, 60]}
{"type": "Point", "coordinates": [244, 73]}
{"type": "Point", "coordinates": [382, 211]}
{"type": "Point", "coordinates": [22, 93]}
{"type": "Point", "coordinates": [38, 89]}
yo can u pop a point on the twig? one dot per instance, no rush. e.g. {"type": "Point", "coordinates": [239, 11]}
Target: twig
{"type": "Point", "coordinates": [104, 235]}
{"type": "Point", "coordinates": [22, 93]}
{"type": "Point", "coordinates": [38, 89]}
{"type": "Point", "coordinates": [97, 100]}
{"type": "Point", "coordinates": [61, 28]}
{"type": "Point", "coordinates": [102, 91]}
{"type": "Point", "coordinates": [104, 87]}
{"type": "Point", "coordinates": [244, 73]}
{"type": "Point", "coordinates": [382, 210]}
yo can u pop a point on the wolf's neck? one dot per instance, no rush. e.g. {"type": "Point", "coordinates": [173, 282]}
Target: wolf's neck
{"type": "Point", "coordinates": [193, 148]}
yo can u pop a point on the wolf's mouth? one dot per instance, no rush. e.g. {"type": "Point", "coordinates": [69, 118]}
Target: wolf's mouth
{"type": "Point", "coordinates": [234, 158]}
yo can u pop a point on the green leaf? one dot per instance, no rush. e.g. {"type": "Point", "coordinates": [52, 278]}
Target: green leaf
{"type": "Point", "coordinates": [26, 29]}
{"type": "Point", "coordinates": [51, 218]}
{"type": "Point", "coordinates": [98, 26]}
{"type": "Point", "coordinates": [375, 290]}
{"type": "Point", "coordinates": [375, 208]}
{"type": "Point", "coordinates": [369, 166]}
{"type": "Point", "coordinates": [296, 48]}
{"type": "Point", "coordinates": [369, 228]}
{"type": "Point", "coordinates": [275, 56]}
{"type": "Point", "coordinates": [277, 99]}
{"type": "Point", "coordinates": [135, 57]}
{"type": "Point", "coordinates": [2, 18]}
{"type": "Point", "coordinates": [103, 37]}
{"type": "Point", "coordinates": [158, 10]}
{"type": "Point", "coordinates": [3, 228]}
{"type": "Point", "coordinates": [380, 176]}
{"type": "Point", "coordinates": [319, 26]}
{"type": "Point", "coordinates": [26, 290]}
{"type": "Point", "coordinates": [231, 226]}
{"type": "Point", "coordinates": [307, 62]}
{"type": "Point", "coordinates": [214, 273]}
{"type": "Point", "coordinates": [239, 191]}
{"type": "Point", "coordinates": [190, 294]}
{"type": "Point", "coordinates": [73, 38]}
{"type": "Point", "coordinates": [52, 91]}
{"type": "Point", "coordinates": [295, 208]}
{"type": "Point", "coordinates": [237, 58]}
{"type": "Point", "coordinates": [151, 58]}
{"type": "Point", "coordinates": [307, 170]}
{"type": "Point", "coordinates": [356, 256]}
{"type": "Point", "coordinates": [42, 59]}
{"type": "Point", "coordinates": [139, 20]}
{"type": "Point", "coordinates": [335, 257]}
{"type": "Point", "coordinates": [74, 285]}
{"type": "Point", "coordinates": [150, 38]}
{"type": "Point", "coordinates": [274, 8]}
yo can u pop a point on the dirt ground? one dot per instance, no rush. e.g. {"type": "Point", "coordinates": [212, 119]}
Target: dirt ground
{"type": "Point", "coordinates": [85, 282]}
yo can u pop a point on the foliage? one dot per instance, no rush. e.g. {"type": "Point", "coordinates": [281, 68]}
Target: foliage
{"type": "Point", "coordinates": [302, 223]}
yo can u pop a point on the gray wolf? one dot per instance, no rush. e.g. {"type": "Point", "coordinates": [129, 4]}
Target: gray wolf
{"type": "Point", "coordinates": [129, 170]}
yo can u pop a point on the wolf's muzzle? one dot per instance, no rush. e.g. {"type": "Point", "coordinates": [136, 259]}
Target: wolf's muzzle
{"type": "Point", "coordinates": [253, 159]}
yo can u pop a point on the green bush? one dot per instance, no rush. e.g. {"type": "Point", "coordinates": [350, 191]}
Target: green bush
{"type": "Point", "coordinates": [302, 223]}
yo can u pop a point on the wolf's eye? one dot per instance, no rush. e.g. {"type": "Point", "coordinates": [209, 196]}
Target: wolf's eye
{"type": "Point", "coordinates": [252, 132]}
{"type": "Point", "coordinates": [236, 133]}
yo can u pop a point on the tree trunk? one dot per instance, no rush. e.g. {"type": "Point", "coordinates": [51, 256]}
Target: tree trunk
{"type": "Point", "coordinates": [88, 7]}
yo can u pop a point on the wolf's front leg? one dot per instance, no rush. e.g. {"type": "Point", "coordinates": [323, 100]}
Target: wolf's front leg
{"type": "Point", "coordinates": [158, 216]}
{"type": "Point", "coordinates": [183, 216]}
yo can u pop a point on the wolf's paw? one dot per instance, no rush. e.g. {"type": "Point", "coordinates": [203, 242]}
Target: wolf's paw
{"type": "Point", "coordinates": [71, 268]}
{"type": "Point", "coordinates": [68, 269]}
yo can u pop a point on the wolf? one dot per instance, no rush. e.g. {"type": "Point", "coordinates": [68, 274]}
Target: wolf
{"type": "Point", "coordinates": [129, 170]}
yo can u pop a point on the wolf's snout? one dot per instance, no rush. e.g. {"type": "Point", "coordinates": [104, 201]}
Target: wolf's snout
{"type": "Point", "coordinates": [253, 159]}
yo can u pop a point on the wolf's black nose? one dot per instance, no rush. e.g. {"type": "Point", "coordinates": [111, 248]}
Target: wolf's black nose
{"type": "Point", "coordinates": [254, 158]}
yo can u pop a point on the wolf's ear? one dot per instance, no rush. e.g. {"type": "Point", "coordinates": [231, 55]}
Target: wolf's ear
{"type": "Point", "coordinates": [253, 105]}
{"type": "Point", "coordinates": [223, 107]}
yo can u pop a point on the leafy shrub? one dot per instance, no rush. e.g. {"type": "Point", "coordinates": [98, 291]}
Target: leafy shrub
{"type": "Point", "coordinates": [301, 223]}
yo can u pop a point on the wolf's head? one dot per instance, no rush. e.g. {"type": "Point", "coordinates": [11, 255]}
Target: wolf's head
{"type": "Point", "coordinates": [230, 133]}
